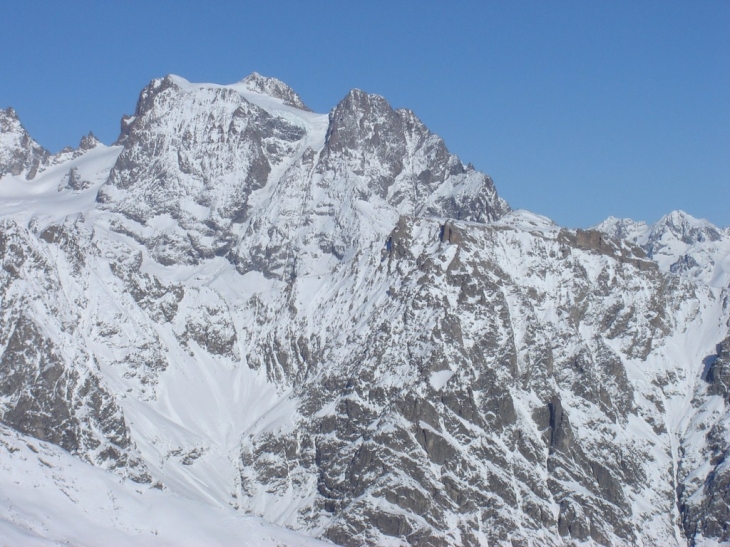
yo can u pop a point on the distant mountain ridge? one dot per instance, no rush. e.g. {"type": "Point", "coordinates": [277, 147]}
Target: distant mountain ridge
{"type": "Point", "coordinates": [680, 244]}
{"type": "Point", "coordinates": [330, 322]}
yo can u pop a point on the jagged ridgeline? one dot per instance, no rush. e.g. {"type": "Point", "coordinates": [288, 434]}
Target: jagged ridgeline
{"type": "Point", "coordinates": [329, 321]}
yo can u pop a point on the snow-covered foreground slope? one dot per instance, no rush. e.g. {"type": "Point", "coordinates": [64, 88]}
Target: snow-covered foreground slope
{"type": "Point", "coordinates": [50, 498]}
{"type": "Point", "coordinates": [330, 322]}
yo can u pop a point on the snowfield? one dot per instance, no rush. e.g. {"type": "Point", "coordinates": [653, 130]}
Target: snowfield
{"type": "Point", "coordinates": [51, 498]}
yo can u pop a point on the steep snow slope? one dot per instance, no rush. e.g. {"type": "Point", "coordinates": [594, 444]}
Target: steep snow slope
{"type": "Point", "coordinates": [694, 249]}
{"type": "Point", "coordinates": [331, 322]}
{"type": "Point", "coordinates": [51, 498]}
{"type": "Point", "coordinates": [60, 190]}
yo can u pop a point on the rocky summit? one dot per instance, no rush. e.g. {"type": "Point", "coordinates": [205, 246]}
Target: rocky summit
{"type": "Point", "coordinates": [249, 311]}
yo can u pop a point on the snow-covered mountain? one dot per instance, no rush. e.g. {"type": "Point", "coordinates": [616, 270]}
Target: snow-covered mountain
{"type": "Point", "coordinates": [680, 243]}
{"type": "Point", "coordinates": [329, 322]}
{"type": "Point", "coordinates": [51, 498]}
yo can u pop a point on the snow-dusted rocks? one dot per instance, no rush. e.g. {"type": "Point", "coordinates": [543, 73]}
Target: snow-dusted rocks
{"type": "Point", "coordinates": [704, 490]}
{"type": "Point", "coordinates": [273, 88]}
{"type": "Point", "coordinates": [193, 155]}
{"type": "Point", "coordinates": [213, 170]}
{"type": "Point", "coordinates": [681, 244]}
{"type": "Point", "coordinates": [694, 249]}
{"type": "Point", "coordinates": [328, 321]}
{"type": "Point", "coordinates": [19, 153]}
{"type": "Point", "coordinates": [50, 384]}
{"type": "Point", "coordinates": [393, 155]}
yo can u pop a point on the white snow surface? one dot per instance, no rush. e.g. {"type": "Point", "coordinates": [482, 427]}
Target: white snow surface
{"type": "Point", "coordinates": [195, 412]}
{"type": "Point", "coordinates": [48, 197]}
{"type": "Point", "coordinates": [50, 498]}
{"type": "Point", "coordinates": [680, 243]}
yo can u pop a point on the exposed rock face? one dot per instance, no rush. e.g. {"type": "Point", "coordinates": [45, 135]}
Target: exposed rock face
{"type": "Point", "coordinates": [207, 165]}
{"type": "Point", "coordinates": [330, 321]}
{"type": "Point", "coordinates": [19, 153]}
{"type": "Point", "coordinates": [88, 142]}
{"type": "Point", "coordinates": [704, 492]}
{"type": "Point", "coordinates": [695, 249]}
{"type": "Point", "coordinates": [401, 161]}
{"type": "Point", "coordinates": [466, 400]}
{"type": "Point", "coordinates": [277, 89]}
{"type": "Point", "coordinates": [50, 385]}
{"type": "Point", "coordinates": [311, 169]}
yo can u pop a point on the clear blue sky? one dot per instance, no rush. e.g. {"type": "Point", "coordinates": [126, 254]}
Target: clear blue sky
{"type": "Point", "coordinates": [578, 110]}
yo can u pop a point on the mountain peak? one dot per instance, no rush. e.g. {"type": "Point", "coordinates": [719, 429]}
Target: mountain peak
{"type": "Point", "coordinates": [686, 228]}
{"type": "Point", "coordinates": [19, 153]}
{"type": "Point", "coordinates": [358, 98]}
{"type": "Point", "coordinates": [8, 113]}
{"type": "Point", "coordinates": [622, 228]}
{"type": "Point", "coordinates": [89, 141]}
{"type": "Point", "coordinates": [9, 121]}
{"type": "Point", "coordinates": [678, 216]}
{"type": "Point", "coordinates": [679, 243]}
{"type": "Point", "coordinates": [275, 88]}
{"type": "Point", "coordinates": [327, 320]}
